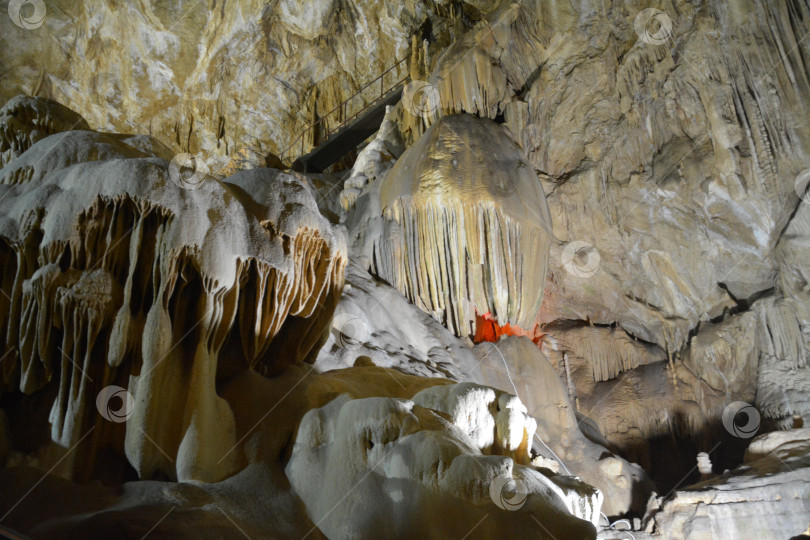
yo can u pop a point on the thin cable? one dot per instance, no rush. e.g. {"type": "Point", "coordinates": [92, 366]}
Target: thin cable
{"type": "Point", "coordinates": [629, 525]}
{"type": "Point", "coordinates": [518, 396]}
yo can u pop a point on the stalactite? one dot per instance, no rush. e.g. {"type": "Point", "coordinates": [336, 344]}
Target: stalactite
{"type": "Point", "coordinates": [112, 273]}
{"type": "Point", "coordinates": [783, 368]}
{"type": "Point", "coordinates": [466, 226]}
{"type": "Point", "coordinates": [606, 351]}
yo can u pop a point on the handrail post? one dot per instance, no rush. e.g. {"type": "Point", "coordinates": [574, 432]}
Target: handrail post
{"type": "Point", "coordinates": [345, 106]}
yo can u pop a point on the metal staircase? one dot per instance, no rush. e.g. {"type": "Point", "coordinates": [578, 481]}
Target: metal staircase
{"type": "Point", "coordinates": [352, 131]}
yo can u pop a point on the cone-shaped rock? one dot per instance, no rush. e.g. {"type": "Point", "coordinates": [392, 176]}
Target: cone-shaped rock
{"type": "Point", "coordinates": [466, 226]}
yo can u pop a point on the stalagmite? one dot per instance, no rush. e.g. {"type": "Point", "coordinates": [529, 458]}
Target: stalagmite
{"type": "Point", "coordinates": [114, 274]}
{"type": "Point", "coordinates": [495, 421]}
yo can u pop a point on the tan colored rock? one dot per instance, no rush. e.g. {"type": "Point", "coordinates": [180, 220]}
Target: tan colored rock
{"type": "Point", "coordinates": [465, 226]}
{"type": "Point", "coordinates": [210, 81]}
{"type": "Point", "coordinates": [516, 365]}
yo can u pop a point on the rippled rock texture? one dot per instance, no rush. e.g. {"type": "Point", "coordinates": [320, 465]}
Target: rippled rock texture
{"type": "Point", "coordinates": [466, 228]}
{"type": "Point", "coordinates": [119, 268]}
{"type": "Point", "coordinates": [214, 79]}
{"type": "Point", "coordinates": [646, 205]}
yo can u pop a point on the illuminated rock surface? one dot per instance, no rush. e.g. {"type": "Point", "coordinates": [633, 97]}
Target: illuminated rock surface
{"type": "Point", "coordinates": [114, 274]}
{"type": "Point", "coordinates": [465, 227]}
{"type": "Point", "coordinates": [668, 140]}
{"type": "Point", "coordinates": [403, 460]}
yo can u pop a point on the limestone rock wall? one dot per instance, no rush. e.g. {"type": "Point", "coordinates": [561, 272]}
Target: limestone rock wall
{"type": "Point", "coordinates": [674, 161]}
{"type": "Point", "coordinates": [673, 156]}
{"type": "Point", "coordinates": [212, 78]}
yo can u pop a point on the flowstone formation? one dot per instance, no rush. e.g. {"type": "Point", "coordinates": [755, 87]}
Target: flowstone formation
{"type": "Point", "coordinates": [623, 182]}
{"type": "Point", "coordinates": [25, 120]}
{"type": "Point", "coordinates": [114, 274]}
{"type": "Point", "coordinates": [466, 229]}
{"type": "Point", "coordinates": [438, 460]}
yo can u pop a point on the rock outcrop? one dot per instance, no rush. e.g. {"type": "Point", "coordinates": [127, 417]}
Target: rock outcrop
{"type": "Point", "coordinates": [114, 274]}
{"type": "Point", "coordinates": [398, 459]}
{"type": "Point", "coordinates": [465, 226]}
{"type": "Point", "coordinates": [624, 182]}
{"type": "Point", "coordinates": [768, 497]}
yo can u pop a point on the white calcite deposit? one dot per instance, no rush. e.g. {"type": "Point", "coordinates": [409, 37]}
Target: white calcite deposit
{"type": "Point", "coordinates": [465, 227]}
{"type": "Point", "coordinates": [266, 354]}
{"type": "Point", "coordinates": [114, 274]}
{"type": "Point", "coordinates": [395, 459]}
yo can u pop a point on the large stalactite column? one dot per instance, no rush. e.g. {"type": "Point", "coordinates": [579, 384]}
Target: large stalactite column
{"type": "Point", "coordinates": [466, 226]}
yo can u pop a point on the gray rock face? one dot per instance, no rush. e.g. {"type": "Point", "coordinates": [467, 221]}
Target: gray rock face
{"type": "Point", "coordinates": [673, 162]}
{"type": "Point", "coordinates": [673, 157]}
{"type": "Point", "coordinates": [768, 497]}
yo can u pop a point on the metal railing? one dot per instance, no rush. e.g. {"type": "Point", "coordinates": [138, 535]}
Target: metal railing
{"type": "Point", "coordinates": [344, 108]}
